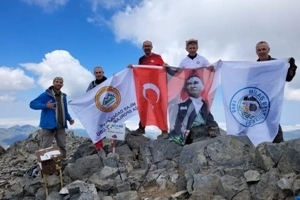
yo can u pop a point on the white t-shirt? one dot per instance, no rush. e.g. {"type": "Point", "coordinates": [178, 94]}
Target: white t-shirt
{"type": "Point", "coordinates": [197, 62]}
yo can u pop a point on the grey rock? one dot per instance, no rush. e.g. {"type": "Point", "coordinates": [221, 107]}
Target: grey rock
{"type": "Point", "coordinates": [225, 167]}
{"type": "Point", "coordinates": [84, 167]}
{"type": "Point", "coordinates": [102, 184]}
{"type": "Point", "coordinates": [111, 160]}
{"type": "Point", "coordinates": [123, 187]}
{"type": "Point", "coordinates": [2, 150]}
{"type": "Point", "coordinates": [135, 142]}
{"type": "Point", "coordinates": [180, 195]}
{"type": "Point", "coordinates": [129, 195]}
{"type": "Point", "coordinates": [251, 176]}
{"type": "Point", "coordinates": [290, 160]}
{"type": "Point", "coordinates": [234, 188]}
{"type": "Point", "coordinates": [54, 196]}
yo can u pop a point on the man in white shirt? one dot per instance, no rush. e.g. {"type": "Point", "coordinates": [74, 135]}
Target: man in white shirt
{"type": "Point", "coordinates": [193, 59]}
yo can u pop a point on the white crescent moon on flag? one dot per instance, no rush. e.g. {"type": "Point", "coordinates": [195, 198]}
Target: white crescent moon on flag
{"type": "Point", "coordinates": [152, 87]}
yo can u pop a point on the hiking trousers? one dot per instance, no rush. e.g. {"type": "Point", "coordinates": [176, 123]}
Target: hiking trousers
{"type": "Point", "coordinates": [48, 136]}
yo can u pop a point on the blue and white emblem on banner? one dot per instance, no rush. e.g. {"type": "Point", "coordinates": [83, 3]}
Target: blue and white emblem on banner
{"type": "Point", "coordinates": [250, 106]}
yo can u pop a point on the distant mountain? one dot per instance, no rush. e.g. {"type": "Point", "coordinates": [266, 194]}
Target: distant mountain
{"type": "Point", "coordinates": [80, 132]}
{"type": "Point", "coordinates": [9, 141]}
{"type": "Point", "coordinates": [15, 130]}
{"type": "Point", "coordinates": [16, 133]}
{"type": "Point", "coordinates": [291, 135]}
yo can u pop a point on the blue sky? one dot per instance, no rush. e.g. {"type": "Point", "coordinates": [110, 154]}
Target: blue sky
{"type": "Point", "coordinates": [41, 39]}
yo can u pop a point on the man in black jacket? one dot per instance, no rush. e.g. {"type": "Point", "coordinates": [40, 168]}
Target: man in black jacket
{"type": "Point", "coordinates": [99, 78]}
{"type": "Point", "coordinates": [262, 51]}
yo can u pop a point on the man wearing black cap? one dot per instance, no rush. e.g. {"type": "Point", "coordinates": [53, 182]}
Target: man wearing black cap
{"type": "Point", "coordinates": [54, 116]}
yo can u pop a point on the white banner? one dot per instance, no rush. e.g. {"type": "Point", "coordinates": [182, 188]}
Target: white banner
{"type": "Point", "coordinates": [252, 97]}
{"type": "Point", "coordinates": [112, 101]}
{"type": "Point", "coordinates": [115, 131]}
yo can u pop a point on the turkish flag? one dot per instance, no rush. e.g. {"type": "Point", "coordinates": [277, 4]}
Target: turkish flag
{"type": "Point", "coordinates": [152, 95]}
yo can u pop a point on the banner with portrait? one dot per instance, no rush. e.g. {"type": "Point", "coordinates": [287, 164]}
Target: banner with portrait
{"type": "Point", "coordinates": [190, 95]}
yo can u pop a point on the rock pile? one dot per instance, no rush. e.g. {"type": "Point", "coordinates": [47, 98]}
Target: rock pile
{"type": "Point", "coordinates": [221, 168]}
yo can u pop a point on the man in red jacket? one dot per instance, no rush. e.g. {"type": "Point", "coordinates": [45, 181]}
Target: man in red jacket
{"type": "Point", "coordinates": [150, 58]}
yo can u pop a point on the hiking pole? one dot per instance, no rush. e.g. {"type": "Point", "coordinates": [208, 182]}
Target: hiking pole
{"type": "Point", "coordinates": [114, 146]}
{"type": "Point", "coordinates": [45, 183]}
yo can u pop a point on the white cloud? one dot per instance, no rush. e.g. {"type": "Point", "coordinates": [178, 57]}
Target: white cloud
{"type": "Point", "coordinates": [103, 9]}
{"type": "Point", "coordinates": [14, 79]}
{"type": "Point", "coordinates": [291, 127]}
{"type": "Point", "coordinates": [7, 97]}
{"type": "Point", "coordinates": [105, 4]}
{"type": "Point", "coordinates": [292, 93]}
{"type": "Point", "coordinates": [227, 30]}
{"type": "Point", "coordinates": [47, 5]}
{"type": "Point", "coordinates": [61, 63]}
{"type": "Point", "coordinates": [98, 20]}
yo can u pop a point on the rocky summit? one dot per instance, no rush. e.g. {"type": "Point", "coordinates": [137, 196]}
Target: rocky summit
{"type": "Point", "coordinates": [221, 168]}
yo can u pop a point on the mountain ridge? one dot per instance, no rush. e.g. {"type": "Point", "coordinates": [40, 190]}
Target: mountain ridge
{"type": "Point", "coordinates": [16, 133]}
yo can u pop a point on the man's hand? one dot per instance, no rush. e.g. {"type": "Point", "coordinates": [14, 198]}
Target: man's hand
{"type": "Point", "coordinates": [71, 121]}
{"type": "Point", "coordinates": [50, 105]}
{"type": "Point", "coordinates": [129, 66]}
{"type": "Point", "coordinates": [211, 68]}
{"type": "Point", "coordinates": [186, 133]}
{"type": "Point", "coordinates": [292, 61]}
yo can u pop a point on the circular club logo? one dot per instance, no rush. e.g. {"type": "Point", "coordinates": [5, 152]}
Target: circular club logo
{"type": "Point", "coordinates": [107, 99]}
{"type": "Point", "coordinates": [250, 106]}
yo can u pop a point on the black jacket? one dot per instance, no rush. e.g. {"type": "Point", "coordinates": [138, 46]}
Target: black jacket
{"type": "Point", "coordinates": [291, 71]}
{"type": "Point", "coordinates": [182, 112]}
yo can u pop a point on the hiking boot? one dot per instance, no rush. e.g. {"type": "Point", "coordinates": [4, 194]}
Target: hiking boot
{"type": "Point", "coordinates": [139, 131]}
{"type": "Point", "coordinates": [163, 135]}
{"type": "Point", "coordinates": [99, 145]}
{"type": "Point", "coordinates": [213, 131]}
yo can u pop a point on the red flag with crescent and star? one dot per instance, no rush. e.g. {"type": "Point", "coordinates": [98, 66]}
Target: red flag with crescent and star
{"type": "Point", "coordinates": [152, 95]}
